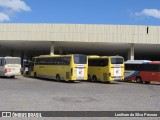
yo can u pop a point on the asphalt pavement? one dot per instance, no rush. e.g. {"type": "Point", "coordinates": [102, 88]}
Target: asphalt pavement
{"type": "Point", "coordinates": [30, 94]}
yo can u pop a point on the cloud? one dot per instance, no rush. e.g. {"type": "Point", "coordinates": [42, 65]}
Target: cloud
{"type": "Point", "coordinates": [4, 17]}
{"type": "Point", "coordinates": [16, 5]}
{"type": "Point", "coordinates": [11, 7]}
{"type": "Point", "coordinates": [149, 12]}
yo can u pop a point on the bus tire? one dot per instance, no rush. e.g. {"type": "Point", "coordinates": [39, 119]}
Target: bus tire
{"type": "Point", "coordinates": [12, 76]}
{"type": "Point", "coordinates": [94, 78]}
{"type": "Point", "coordinates": [89, 78]}
{"type": "Point", "coordinates": [139, 79]}
{"type": "Point", "coordinates": [35, 75]}
{"type": "Point", "coordinates": [147, 82]}
{"type": "Point", "coordinates": [58, 77]}
{"type": "Point", "coordinates": [71, 81]}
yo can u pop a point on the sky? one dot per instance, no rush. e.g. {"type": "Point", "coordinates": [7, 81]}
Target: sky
{"type": "Point", "coordinates": [118, 12]}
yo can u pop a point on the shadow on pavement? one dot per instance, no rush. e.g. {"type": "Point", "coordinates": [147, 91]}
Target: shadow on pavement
{"type": "Point", "coordinates": [8, 78]}
{"type": "Point", "coordinates": [53, 80]}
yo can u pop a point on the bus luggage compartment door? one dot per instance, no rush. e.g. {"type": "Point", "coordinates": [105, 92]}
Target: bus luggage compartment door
{"type": "Point", "coordinates": [80, 73]}
{"type": "Point", "coordinates": [117, 73]}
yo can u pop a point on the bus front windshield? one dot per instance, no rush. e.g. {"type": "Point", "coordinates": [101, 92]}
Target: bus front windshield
{"type": "Point", "coordinates": [80, 59]}
{"type": "Point", "coordinates": [117, 60]}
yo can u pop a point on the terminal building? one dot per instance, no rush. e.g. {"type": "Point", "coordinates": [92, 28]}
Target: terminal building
{"type": "Point", "coordinates": [130, 41]}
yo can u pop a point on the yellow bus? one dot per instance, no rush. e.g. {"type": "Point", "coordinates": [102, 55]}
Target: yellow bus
{"type": "Point", "coordinates": [105, 68]}
{"type": "Point", "coordinates": [60, 67]}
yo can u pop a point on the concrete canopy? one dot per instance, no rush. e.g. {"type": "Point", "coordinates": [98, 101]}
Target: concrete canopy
{"type": "Point", "coordinates": [35, 39]}
{"type": "Point", "coordinates": [34, 48]}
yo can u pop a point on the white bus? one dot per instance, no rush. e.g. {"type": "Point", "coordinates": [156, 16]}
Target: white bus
{"type": "Point", "coordinates": [10, 66]}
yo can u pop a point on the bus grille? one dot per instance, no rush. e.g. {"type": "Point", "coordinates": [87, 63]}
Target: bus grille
{"type": "Point", "coordinates": [105, 76]}
{"type": "Point", "coordinates": [67, 75]}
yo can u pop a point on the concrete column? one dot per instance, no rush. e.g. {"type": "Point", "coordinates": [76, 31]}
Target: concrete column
{"type": "Point", "coordinates": [131, 52]}
{"type": "Point", "coordinates": [52, 48]}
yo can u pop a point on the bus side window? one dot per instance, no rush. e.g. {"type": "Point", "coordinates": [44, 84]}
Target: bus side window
{"type": "Point", "coordinates": [143, 67]}
{"type": "Point", "coordinates": [3, 62]}
{"type": "Point", "coordinates": [127, 67]}
{"type": "Point", "coordinates": [56, 61]}
{"type": "Point", "coordinates": [89, 62]}
{"type": "Point", "coordinates": [33, 60]}
{"type": "Point", "coordinates": [68, 60]}
{"type": "Point", "coordinates": [101, 62]}
{"type": "Point", "coordinates": [137, 66]}
{"type": "Point", "coordinates": [36, 62]}
{"type": "Point", "coordinates": [134, 66]}
{"type": "Point", "coordinates": [153, 68]}
{"type": "Point", "coordinates": [158, 68]}
{"type": "Point", "coordinates": [46, 61]}
{"type": "Point", "coordinates": [106, 62]}
{"type": "Point", "coordinates": [50, 61]}
{"type": "Point", "coordinates": [64, 60]}
{"type": "Point", "coordinates": [92, 62]}
{"type": "Point", "coordinates": [96, 62]}
{"type": "Point", "coordinates": [130, 66]}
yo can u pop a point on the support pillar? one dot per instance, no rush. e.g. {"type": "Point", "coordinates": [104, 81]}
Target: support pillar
{"type": "Point", "coordinates": [131, 52]}
{"type": "Point", "coordinates": [52, 48]}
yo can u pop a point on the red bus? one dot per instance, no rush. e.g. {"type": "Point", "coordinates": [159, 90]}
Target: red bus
{"type": "Point", "coordinates": [142, 71]}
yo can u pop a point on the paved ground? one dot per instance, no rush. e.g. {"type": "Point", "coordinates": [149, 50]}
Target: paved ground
{"type": "Point", "coordinates": [47, 95]}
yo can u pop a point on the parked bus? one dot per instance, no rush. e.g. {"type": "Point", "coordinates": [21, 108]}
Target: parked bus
{"type": "Point", "coordinates": [10, 66]}
{"type": "Point", "coordinates": [142, 71]}
{"type": "Point", "coordinates": [105, 68]}
{"type": "Point", "coordinates": [60, 67]}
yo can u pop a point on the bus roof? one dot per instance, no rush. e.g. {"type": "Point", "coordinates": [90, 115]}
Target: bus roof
{"type": "Point", "coordinates": [116, 56]}
{"type": "Point", "coordinates": [155, 62]}
{"type": "Point", "coordinates": [96, 56]}
{"type": "Point", "coordinates": [93, 56]}
{"type": "Point", "coordinates": [8, 57]}
{"type": "Point", "coordinates": [137, 61]}
{"type": "Point", "coordinates": [47, 55]}
{"type": "Point", "coordinates": [44, 56]}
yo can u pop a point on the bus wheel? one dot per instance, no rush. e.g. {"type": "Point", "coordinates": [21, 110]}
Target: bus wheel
{"type": "Point", "coordinates": [89, 78]}
{"type": "Point", "coordinates": [139, 80]}
{"type": "Point", "coordinates": [58, 78]}
{"type": "Point", "coordinates": [147, 82]}
{"type": "Point", "coordinates": [35, 75]}
{"type": "Point", "coordinates": [94, 78]}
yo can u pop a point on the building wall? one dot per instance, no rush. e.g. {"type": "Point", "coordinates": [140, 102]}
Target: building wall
{"type": "Point", "coordinates": [81, 33]}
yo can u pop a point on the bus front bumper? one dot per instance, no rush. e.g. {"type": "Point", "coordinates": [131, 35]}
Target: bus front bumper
{"type": "Point", "coordinates": [117, 78]}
